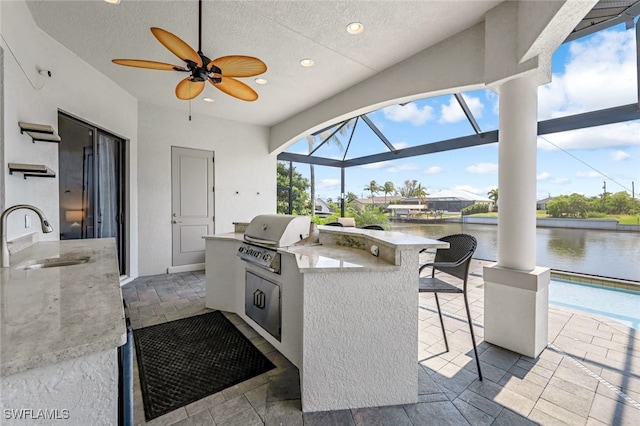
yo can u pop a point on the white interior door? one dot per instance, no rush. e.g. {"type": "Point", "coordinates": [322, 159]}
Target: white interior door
{"type": "Point", "coordinates": [192, 203]}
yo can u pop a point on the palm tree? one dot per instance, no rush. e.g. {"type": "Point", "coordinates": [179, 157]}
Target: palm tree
{"type": "Point", "coordinates": [409, 188]}
{"type": "Point", "coordinates": [388, 188]}
{"type": "Point", "coordinates": [420, 193]}
{"type": "Point", "coordinates": [350, 197]}
{"type": "Point", "coordinates": [335, 140]}
{"type": "Point", "coordinates": [493, 196]}
{"type": "Point", "coordinates": [373, 188]}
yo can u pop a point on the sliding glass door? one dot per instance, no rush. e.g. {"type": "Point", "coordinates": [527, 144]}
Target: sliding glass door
{"type": "Point", "coordinates": [91, 180]}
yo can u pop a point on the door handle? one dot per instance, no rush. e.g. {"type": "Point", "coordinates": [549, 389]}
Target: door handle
{"type": "Point", "coordinates": [259, 299]}
{"type": "Point", "coordinates": [176, 221]}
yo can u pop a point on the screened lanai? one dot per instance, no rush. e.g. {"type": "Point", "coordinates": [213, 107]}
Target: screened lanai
{"type": "Point", "coordinates": [359, 141]}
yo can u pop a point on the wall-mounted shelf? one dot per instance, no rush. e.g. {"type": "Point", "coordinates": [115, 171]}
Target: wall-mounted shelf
{"type": "Point", "coordinates": [33, 170]}
{"type": "Point", "coordinates": [39, 132]}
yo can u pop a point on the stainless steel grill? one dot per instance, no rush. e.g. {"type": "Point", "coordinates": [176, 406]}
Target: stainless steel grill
{"type": "Point", "coordinates": [266, 233]}
{"type": "Point", "coordinates": [277, 230]}
{"type": "Point", "coordinates": [263, 236]}
{"type": "Point", "coordinates": [264, 257]}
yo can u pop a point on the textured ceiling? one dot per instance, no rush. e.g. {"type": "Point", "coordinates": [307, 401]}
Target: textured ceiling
{"type": "Point", "coordinates": [278, 32]}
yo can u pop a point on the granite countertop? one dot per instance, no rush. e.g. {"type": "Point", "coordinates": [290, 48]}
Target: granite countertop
{"type": "Point", "coordinates": [238, 236]}
{"type": "Point", "coordinates": [331, 258]}
{"type": "Point", "coordinates": [54, 314]}
{"type": "Point", "coordinates": [389, 238]}
{"type": "Point", "coordinates": [347, 249]}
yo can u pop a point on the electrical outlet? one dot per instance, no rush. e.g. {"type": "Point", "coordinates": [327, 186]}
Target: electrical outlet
{"type": "Point", "coordinates": [27, 221]}
{"type": "Point", "coordinates": [375, 251]}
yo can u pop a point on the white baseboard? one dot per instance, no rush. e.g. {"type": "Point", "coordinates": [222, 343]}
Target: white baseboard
{"type": "Point", "coordinates": [125, 279]}
{"type": "Point", "coordinates": [185, 268]}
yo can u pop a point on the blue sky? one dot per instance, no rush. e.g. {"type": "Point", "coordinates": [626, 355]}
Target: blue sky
{"type": "Point", "coordinates": [591, 73]}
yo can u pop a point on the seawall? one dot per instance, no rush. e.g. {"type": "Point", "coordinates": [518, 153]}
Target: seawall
{"type": "Point", "coordinates": [599, 224]}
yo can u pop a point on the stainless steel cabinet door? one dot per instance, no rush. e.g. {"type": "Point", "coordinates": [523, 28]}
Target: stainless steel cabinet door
{"type": "Point", "coordinates": [262, 303]}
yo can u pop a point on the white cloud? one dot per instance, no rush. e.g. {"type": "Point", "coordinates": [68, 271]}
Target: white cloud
{"type": "Point", "coordinates": [543, 176]}
{"type": "Point", "coordinates": [409, 112]}
{"type": "Point", "coordinates": [402, 168]}
{"type": "Point", "coordinates": [453, 113]}
{"type": "Point", "coordinates": [433, 170]}
{"type": "Point", "coordinates": [400, 145]}
{"type": "Point", "coordinates": [328, 184]}
{"type": "Point", "coordinates": [589, 174]}
{"type": "Point", "coordinates": [483, 168]}
{"type": "Point", "coordinates": [469, 188]}
{"type": "Point", "coordinates": [379, 165]}
{"type": "Point", "coordinates": [494, 99]}
{"type": "Point", "coordinates": [600, 73]}
{"type": "Point", "coordinates": [619, 156]}
{"type": "Point", "coordinates": [610, 136]}
{"type": "Point", "coordinates": [560, 181]}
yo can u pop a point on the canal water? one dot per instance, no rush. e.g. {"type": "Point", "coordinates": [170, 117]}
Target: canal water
{"type": "Point", "coordinates": [593, 252]}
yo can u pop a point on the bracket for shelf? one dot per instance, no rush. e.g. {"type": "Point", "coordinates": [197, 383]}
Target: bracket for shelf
{"type": "Point", "coordinates": [39, 132]}
{"type": "Point", "coordinates": [33, 170]}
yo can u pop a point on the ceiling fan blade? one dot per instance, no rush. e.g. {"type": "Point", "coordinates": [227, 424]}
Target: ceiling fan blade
{"type": "Point", "coordinates": [152, 65]}
{"type": "Point", "coordinates": [188, 89]}
{"type": "Point", "coordinates": [175, 44]}
{"type": "Point", "coordinates": [239, 66]}
{"type": "Point", "coordinates": [236, 88]}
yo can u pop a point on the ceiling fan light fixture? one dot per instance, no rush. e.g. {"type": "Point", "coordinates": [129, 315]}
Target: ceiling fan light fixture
{"type": "Point", "coordinates": [355, 28]}
{"type": "Point", "coordinates": [113, 1]}
{"type": "Point", "coordinates": [201, 68]}
{"type": "Point", "coordinates": [306, 62]}
{"type": "Point", "coordinates": [260, 80]}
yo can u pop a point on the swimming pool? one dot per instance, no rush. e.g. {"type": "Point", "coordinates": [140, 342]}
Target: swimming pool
{"type": "Point", "coordinates": [618, 304]}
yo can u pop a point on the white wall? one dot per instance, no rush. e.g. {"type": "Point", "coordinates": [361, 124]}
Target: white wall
{"type": "Point", "coordinates": [76, 392]}
{"type": "Point", "coordinates": [74, 87]}
{"type": "Point", "coordinates": [243, 163]}
{"type": "Point", "coordinates": [244, 176]}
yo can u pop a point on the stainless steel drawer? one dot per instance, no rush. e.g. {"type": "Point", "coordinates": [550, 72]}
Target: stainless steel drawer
{"type": "Point", "coordinates": [262, 303]}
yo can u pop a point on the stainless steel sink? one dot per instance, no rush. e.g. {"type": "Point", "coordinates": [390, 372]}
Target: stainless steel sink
{"type": "Point", "coordinates": [54, 262]}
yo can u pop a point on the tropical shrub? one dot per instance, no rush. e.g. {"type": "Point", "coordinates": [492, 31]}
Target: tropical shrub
{"type": "Point", "coordinates": [475, 208]}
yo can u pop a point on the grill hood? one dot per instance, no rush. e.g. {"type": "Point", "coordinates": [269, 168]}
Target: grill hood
{"type": "Point", "coordinates": [277, 230]}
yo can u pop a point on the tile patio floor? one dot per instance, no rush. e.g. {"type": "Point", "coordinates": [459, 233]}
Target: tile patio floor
{"type": "Point", "coordinates": [588, 375]}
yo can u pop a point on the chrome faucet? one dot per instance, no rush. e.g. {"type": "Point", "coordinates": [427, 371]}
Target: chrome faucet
{"type": "Point", "coordinates": [46, 228]}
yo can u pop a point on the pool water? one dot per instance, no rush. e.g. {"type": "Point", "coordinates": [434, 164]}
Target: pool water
{"type": "Point", "coordinates": [618, 304]}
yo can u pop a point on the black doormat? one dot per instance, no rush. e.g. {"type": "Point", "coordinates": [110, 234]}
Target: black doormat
{"type": "Point", "coordinates": [185, 360]}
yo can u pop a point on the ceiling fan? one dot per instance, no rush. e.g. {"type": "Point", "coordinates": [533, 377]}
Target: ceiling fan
{"type": "Point", "coordinates": [220, 72]}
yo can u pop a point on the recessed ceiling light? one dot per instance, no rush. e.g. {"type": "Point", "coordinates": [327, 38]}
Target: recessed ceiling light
{"type": "Point", "coordinates": [113, 1]}
{"type": "Point", "coordinates": [260, 80]}
{"type": "Point", "coordinates": [306, 62]}
{"type": "Point", "coordinates": [355, 28]}
{"type": "Point", "coordinates": [207, 99]}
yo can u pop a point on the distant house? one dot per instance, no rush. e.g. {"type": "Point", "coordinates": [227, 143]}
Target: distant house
{"type": "Point", "coordinates": [322, 208]}
{"type": "Point", "coordinates": [452, 200]}
{"type": "Point", "coordinates": [542, 204]}
{"type": "Point", "coordinates": [400, 210]}
{"type": "Point", "coordinates": [378, 201]}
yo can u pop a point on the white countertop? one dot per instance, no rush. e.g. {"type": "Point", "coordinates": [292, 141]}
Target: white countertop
{"type": "Point", "coordinates": [327, 258]}
{"type": "Point", "coordinates": [53, 314]}
{"type": "Point", "coordinates": [347, 251]}
{"type": "Point", "coordinates": [390, 238]}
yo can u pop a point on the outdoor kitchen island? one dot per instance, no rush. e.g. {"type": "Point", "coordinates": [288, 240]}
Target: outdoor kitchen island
{"type": "Point", "coordinates": [349, 317]}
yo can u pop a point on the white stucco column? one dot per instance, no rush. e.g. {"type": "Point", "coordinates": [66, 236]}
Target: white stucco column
{"type": "Point", "coordinates": [517, 174]}
{"type": "Point", "coordinates": [516, 291]}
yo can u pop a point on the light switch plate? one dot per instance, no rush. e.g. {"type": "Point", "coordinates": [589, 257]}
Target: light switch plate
{"type": "Point", "coordinates": [27, 221]}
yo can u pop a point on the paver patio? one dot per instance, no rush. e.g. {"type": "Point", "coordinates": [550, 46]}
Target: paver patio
{"type": "Point", "coordinates": [588, 375]}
